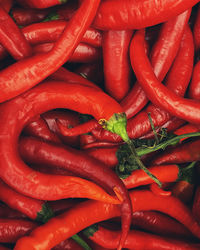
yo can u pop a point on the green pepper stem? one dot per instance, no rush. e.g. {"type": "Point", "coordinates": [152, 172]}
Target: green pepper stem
{"type": "Point", "coordinates": [81, 242]}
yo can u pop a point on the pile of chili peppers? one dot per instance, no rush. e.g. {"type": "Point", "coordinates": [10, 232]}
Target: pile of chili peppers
{"type": "Point", "coordinates": [100, 124]}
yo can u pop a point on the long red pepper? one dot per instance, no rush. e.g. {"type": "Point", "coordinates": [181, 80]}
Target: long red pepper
{"type": "Point", "coordinates": [162, 56]}
{"type": "Point", "coordinates": [13, 229]}
{"type": "Point", "coordinates": [12, 38]}
{"type": "Point", "coordinates": [68, 244]}
{"type": "Point", "coordinates": [40, 4]}
{"type": "Point", "coordinates": [136, 240]}
{"type": "Point", "coordinates": [160, 224]}
{"type": "Point", "coordinates": [9, 213]}
{"type": "Point", "coordinates": [118, 15]}
{"type": "Point", "coordinates": [46, 96]}
{"type": "Point", "coordinates": [31, 71]}
{"type": "Point", "coordinates": [80, 217]}
{"type": "Point", "coordinates": [34, 209]}
{"type": "Point", "coordinates": [186, 152]}
{"type": "Point", "coordinates": [50, 32]}
{"type": "Point", "coordinates": [186, 109]}
{"type": "Point", "coordinates": [83, 53]}
{"type": "Point", "coordinates": [117, 68]}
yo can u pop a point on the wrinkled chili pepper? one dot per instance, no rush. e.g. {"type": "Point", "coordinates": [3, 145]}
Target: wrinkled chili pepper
{"type": "Point", "coordinates": [118, 15]}
{"type": "Point", "coordinates": [117, 68]}
{"type": "Point", "coordinates": [40, 4]}
{"type": "Point", "coordinates": [162, 55]}
{"type": "Point", "coordinates": [12, 38]}
{"type": "Point", "coordinates": [34, 209]}
{"type": "Point", "coordinates": [80, 217]}
{"type": "Point", "coordinates": [135, 240]}
{"type": "Point", "coordinates": [51, 31]}
{"type": "Point", "coordinates": [29, 72]}
{"type": "Point", "coordinates": [13, 229]}
{"type": "Point", "coordinates": [47, 96]}
{"type": "Point", "coordinates": [183, 108]}
{"type": "Point", "coordinates": [187, 152]}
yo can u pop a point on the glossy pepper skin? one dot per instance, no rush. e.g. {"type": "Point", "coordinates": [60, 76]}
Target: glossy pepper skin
{"type": "Point", "coordinates": [161, 96]}
{"type": "Point", "coordinates": [80, 217]}
{"type": "Point", "coordinates": [30, 71]}
{"type": "Point", "coordinates": [134, 14]}
{"type": "Point", "coordinates": [40, 4]}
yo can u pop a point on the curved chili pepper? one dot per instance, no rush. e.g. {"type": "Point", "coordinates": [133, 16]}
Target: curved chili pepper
{"type": "Point", "coordinates": [62, 74]}
{"type": "Point", "coordinates": [187, 152]}
{"type": "Point", "coordinates": [12, 38]}
{"type": "Point", "coordinates": [25, 16]}
{"type": "Point", "coordinates": [29, 72]}
{"type": "Point", "coordinates": [194, 87]}
{"type": "Point", "coordinates": [159, 191]}
{"type": "Point", "coordinates": [34, 209]}
{"type": "Point", "coordinates": [38, 152]}
{"type": "Point", "coordinates": [83, 53]}
{"type": "Point", "coordinates": [80, 217]}
{"type": "Point", "coordinates": [47, 96]}
{"type": "Point", "coordinates": [161, 224]}
{"type": "Point", "coordinates": [118, 15]}
{"type": "Point", "coordinates": [162, 55]}
{"type": "Point", "coordinates": [51, 31]}
{"type": "Point", "coordinates": [139, 125]}
{"type": "Point", "coordinates": [185, 109]}
{"type": "Point", "coordinates": [13, 229]}
{"type": "Point", "coordinates": [40, 4]}
{"type": "Point", "coordinates": [117, 68]}
{"type": "Point", "coordinates": [135, 240]}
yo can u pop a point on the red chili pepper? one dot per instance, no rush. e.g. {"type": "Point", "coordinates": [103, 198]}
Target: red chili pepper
{"type": "Point", "coordinates": [83, 53]}
{"type": "Point", "coordinates": [117, 68]}
{"type": "Point", "coordinates": [68, 244]}
{"type": "Point", "coordinates": [118, 15]}
{"type": "Point", "coordinates": [31, 71]}
{"type": "Point", "coordinates": [34, 209]}
{"type": "Point", "coordinates": [80, 217]}
{"type": "Point", "coordinates": [6, 4]}
{"type": "Point", "coordinates": [185, 109]}
{"type": "Point", "coordinates": [40, 4]}
{"type": "Point", "coordinates": [196, 30]}
{"type": "Point", "coordinates": [196, 204]}
{"type": "Point", "coordinates": [194, 87]}
{"type": "Point", "coordinates": [51, 31]}
{"type": "Point", "coordinates": [162, 55]}
{"type": "Point", "coordinates": [10, 213]}
{"type": "Point", "coordinates": [13, 229]}
{"type": "Point", "coordinates": [184, 190]}
{"type": "Point", "coordinates": [26, 16]}
{"type": "Point", "coordinates": [159, 191]}
{"type": "Point", "coordinates": [160, 224]}
{"type": "Point", "coordinates": [139, 125]}
{"type": "Point", "coordinates": [187, 128]}
{"type": "Point", "coordinates": [47, 96]}
{"type": "Point", "coordinates": [187, 152]}
{"type": "Point", "coordinates": [4, 248]}
{"type": "Point", "coordinates": [136, 240]}
{"type": "Point", "coordinates": [38, 152]}
{"type": "Point", "coordinates": [12, 38]}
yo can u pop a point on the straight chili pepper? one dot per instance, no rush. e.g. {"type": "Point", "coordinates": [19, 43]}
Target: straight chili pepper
{"type": "Point", "coordinates": [120, 15]}
{"type": "Point", "coordinates": [12, 38]}
{"type": "Point", "coordinates": [44, 97]}
{"type": "Point", "coordinates": [51, 31]}
{"type": "Point", "coordinates": [80, 217]}
{"type": "Point", "coordinates": [117, 68]}
{"type": "Point", "coordinates": [185, 109]}
{"type": "Point", "coordinates": [40, 4]}
{"type": "Point", "coordinates": [34, 209]}
{"type": "Point", "coordinates": [187, 152]}
{"type": "Point", "coordinates": [135, 240]}
{"type": "Point", "coordinates": [162, 55]}
{"type": "Point", "coordinates": [83, 53]}
{"type": "Point", "coordinates": [29, 72]}
{"type": "Point", "coordinates": [13, 229]}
